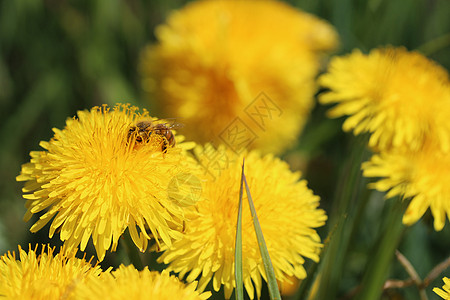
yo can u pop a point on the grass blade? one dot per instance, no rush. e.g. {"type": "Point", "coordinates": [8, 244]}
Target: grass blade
{"type": "Point", "coordinates": [238, 245]}
{"type": "Point", "coordinates": [274, 293]}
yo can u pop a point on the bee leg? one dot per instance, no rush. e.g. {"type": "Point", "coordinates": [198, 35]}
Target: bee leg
{"type": "Point", "coordinates": [164, 145]}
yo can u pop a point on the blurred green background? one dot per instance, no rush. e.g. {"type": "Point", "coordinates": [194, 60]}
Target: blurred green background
{"type": "Point", "coordinates": [57, 57]}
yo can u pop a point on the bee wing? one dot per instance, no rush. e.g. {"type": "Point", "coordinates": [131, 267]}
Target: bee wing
{"type": "Point", "coordinates": [171, 123]}
{"type": "Point", "coordinates": [175, 125]}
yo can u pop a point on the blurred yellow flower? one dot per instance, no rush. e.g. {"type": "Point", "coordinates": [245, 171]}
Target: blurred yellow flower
{"type": "Point", "coordinates": [401, 98]}
{"type": "Point", "coordinates": [95, 181]}
{"type": "Point", "coordinates": [129, 283]}
{"type": "Point", "coordinates": [421, 175]}
{"type": "Point", "coordinates": [250, 62]}
{"type": "Point", "coordinates": [287, 211]}
{"type": "Point", "coordinates": [444, 294]}
{"type": "Point", "coordinates": [43, 276]}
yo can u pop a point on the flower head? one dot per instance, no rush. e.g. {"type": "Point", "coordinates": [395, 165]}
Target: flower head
{"type": "Point", "coordinates": [287, 211]}
{"type": "Point", "coordinates": [43, 276]}
{"type": "Point", "coordinates": [401, 98]}
{"type": "Point", "coordinates": [96, 178]}
{"type": "Point", "coordinates": [129, 283]}
{"type": "Point", "coordinates": [214, 58]}
{"type": "Point", "coordinates": [444, 294]}
{"type": "Point", "coordinates": [422, 176]}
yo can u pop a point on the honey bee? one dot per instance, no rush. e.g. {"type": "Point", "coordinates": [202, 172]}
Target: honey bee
{"type": "Point", "coordinates": [143, 130]}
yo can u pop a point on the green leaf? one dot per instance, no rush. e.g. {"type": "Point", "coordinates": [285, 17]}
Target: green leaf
{"type": "Point", "coordinates": [238, 246]}
{"type": "Point", "coordinates": [274, 293]}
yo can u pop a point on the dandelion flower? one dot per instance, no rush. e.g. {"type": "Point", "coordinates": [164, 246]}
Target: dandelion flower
{"type": "Point", "coordinates": [95, 181]}
{"type": "Point", "coordinates": [129, 283]}
{"type": "Point", "coordinates": [215, 59]}
{"type": "Point", "coordinates": [401, 98]}
{"type": "Point", "coordinates": [422, 176]}
{"type": "Point", "coordinates": [287, 211]}
{"type": "Point", "coordinates": [444, 294]}
{"type": "Point", "coordinates": [43, 276]}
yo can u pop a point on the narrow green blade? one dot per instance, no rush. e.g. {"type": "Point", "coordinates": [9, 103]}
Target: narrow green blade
{"type": "Point", "coordinates": [238, 246]}
{"type": "Point", "coordinates": [274, 293]}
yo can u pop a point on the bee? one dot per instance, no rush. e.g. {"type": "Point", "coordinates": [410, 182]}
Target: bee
{"type": "Point", "coordinates": [143, 130]}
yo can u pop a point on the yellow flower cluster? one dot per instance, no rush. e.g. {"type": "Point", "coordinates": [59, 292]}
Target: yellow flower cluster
{"type": "Point", "coordinates": [63, 276]}
{"type": "Point", "coordinates": [115, 169]}
{"type": "Point", "coordinates": [420, 175]}
{"type": "Point", "coordinates": [287, 211]}
{"type": "Point", "coordinates": [97, 178]}
{"type": "Point", "coordinates": [402, 100]}
{"type": "Point", "coordinates": [255, 61]}
{"type": "Point", "coordinates": [94, 182]}
{"type": "Point", "coordinates": [43, 276]}
{"type": "Point", "coordinates": [128, 283]}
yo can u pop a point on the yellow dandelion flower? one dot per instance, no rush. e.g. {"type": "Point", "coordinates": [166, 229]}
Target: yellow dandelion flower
{"type": "Point", "coordinates": [287, 211]}
{"type": "Point", "coordinates": [129, 283]}
{"type": "Point", "coordinates": [421, 175]}
{"type": "Point", "coordinates": [444, 294]}
{"type": "Point", "coordinates": [399, 97]}
{"type": "Point", "coordinates": [95, 179]}
{"type": "Point", "coordinates": [43, 276]}
{"type": "Point", "coordinates": [252, 60]}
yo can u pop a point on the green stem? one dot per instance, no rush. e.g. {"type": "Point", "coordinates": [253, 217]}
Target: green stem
{"type": "Point", "coordinates": [344, 220]}
{"type": "Point", "coordinates": [379, 263]}
{"type": "Point", "coordinates": [132, 251]}
{"type": "Point", "coordinates": [435, 45]}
